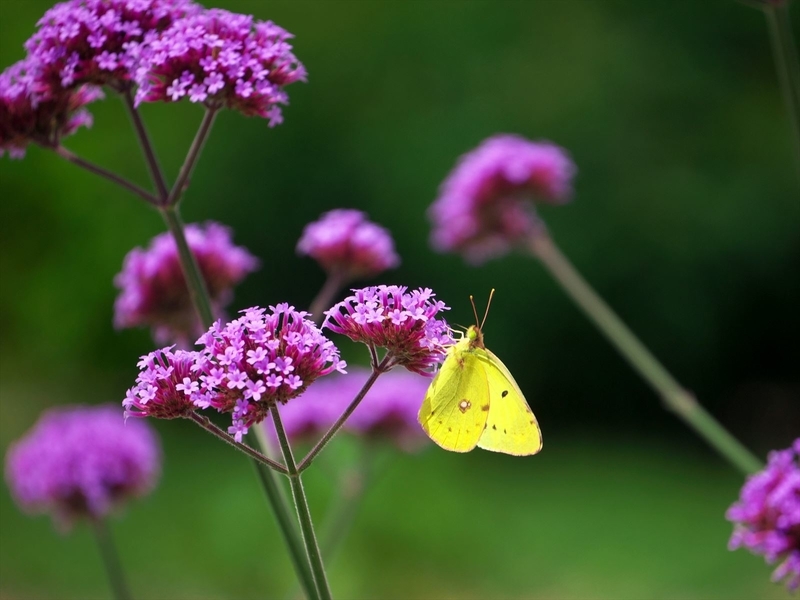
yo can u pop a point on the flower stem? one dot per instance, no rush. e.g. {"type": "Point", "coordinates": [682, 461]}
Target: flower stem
{"type": "Point", "coordinates": [674, 396]}
{"type": "Point", "coordinates": [191, 158]}
{"type": "Point", "coordinates": [303, 511]}
{"type": "Point", "coordinates": [191, 270]}
{"type": "Point", "coordinates": [147, 148]}
{"type": "Point", "coordinates": [786, 61]}
{"type": "Point", "coordinates": [225, 437]}
{"type": "Point", "coordinates": [105, 173]}
{"type": "Point", "coordinates": [376, 372]}
{"type": "Point", "coordinates": [108, 551]}
{"type": "Point", "coordinates": [324, 298]}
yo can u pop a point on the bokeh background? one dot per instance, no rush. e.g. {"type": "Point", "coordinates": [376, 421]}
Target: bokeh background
{"type": "Point", "coordinates": [685, 218]}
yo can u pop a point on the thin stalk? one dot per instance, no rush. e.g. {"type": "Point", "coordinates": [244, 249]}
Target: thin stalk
{"type": "Point", "coordinates": [376, 372]}
{"type": "Point", "coordinates": [324, 298]}
{"type": "Point", "coordinates": [194, 153]}
{"type": "Point", "coordinates": [303, 511]}
{"type": "Point", "coordinates": [113, 565]}
{"type": "Point", "coordinates": [147, 148]}
{"type": "Point", "coordinates": [191, 270]}
{"type": "Point", "coordinates": [786, 62]}
{"type": "Point", "coordinates": [288, 528]}
{"type": "Point", "coordinates": [227, 438]}
{"type": "Point", "coordinates": [105, 173]}
{"type": "Point", "coordinates": [674, 396]}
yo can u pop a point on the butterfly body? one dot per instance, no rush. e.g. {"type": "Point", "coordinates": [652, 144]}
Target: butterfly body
{"type": "Point", "coordinates": [475, 401]}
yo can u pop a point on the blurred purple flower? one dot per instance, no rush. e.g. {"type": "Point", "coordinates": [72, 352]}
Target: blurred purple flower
{"type": "Point", "coordinates": [82, 461]}
{"type": "Point", "coordinates": [99, 41]}
{"type": "Point", "coordinates": [484, 205]}
{"type": "Point", "coordinates": [220, 58]}
{"type": "Point", "coordinates": [31, 112]}
{"type": "Point", "coordinates": [767, 515]}
{"type": "Point", "coordinates": [388, 411]}
{"type": "Point", "coordinates": [402, 322]}
{"type": "Point", "coordinates": [347, 245]}
{"type": "Point", "coordinates": [153, 290]}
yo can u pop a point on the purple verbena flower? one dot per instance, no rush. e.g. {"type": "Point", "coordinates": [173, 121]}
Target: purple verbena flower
{"type": "Point", "coordinates": [32, 112]}
{"type": "Point", "coordinates": [220, 58]}
{"type": "Point", "coordinates": [348, 246]}
{"type": "Point", "coordinates": [167, 387]}
{"type": "Point", "coordinates": [484, 206]}
{"type": "Point", "coordinates": [153, 290]}
{"type": "Point", "coordinates": [767, 516]}
{"type": "Point", "coordinates": [82, 462]}
{"type": "Point", "coordinates": [100, 41]}
{"type": "Point", "coordinates": [403, 322]}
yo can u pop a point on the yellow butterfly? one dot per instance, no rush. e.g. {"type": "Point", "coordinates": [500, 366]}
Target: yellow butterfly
{"type": "Point", "coordinates": [474, 401]}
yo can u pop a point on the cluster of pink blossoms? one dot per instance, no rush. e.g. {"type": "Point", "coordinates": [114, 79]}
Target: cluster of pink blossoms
{"type": "Point", "coordinates": [484, 206]}
{"type": "Point", "coordinates": [220, 58]}
{"type": "Point", "coordinates": [347, 245]}
{"type": "Point", "coordinates": [244, 368]}
{"type": "Point", "coordinates": [153, 289]}
{"type": "Point", "coordinates": [405, 323]}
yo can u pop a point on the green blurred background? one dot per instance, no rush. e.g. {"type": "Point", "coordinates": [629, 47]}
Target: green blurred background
{"type": "Point", "coordinates": [685, 218]}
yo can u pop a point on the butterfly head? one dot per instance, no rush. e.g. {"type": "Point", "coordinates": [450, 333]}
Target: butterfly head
{"type": "Point", "coordinates": [475, 337]}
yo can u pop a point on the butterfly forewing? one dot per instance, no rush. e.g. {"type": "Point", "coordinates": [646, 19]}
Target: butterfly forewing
{"type": "Point", "coordinates": [511, 427]}
{"type": "Point", "coordinates": [456, 405]}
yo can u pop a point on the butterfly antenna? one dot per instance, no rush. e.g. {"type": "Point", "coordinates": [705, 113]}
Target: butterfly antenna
{"type": "Point", "coordinates": [474, 311]}
{"type": "Point", "coordinates": [485, 314]}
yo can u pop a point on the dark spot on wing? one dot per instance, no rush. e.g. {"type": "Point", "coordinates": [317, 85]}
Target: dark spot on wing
{"type": "Point", "coordinates": [531, 421]}
{"type": "Point", "coordinates": [433, 412]}
{"type": "Point", "coordinates": [449, 429]}
{"type": "Point", "coordinates": [440, 422]}
{"type": "Point", "coordinates": [504, 431]}
{"type": "Point", "coordinates": [464, 405]}
{"type": "Point", "coordinates": [485, 407]}
{"type": "Point", "coordinates": [504, 394]}
{"type": "Point", "coordinates": [494, 427]}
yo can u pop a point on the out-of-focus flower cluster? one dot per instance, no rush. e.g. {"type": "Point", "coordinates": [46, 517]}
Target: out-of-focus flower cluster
{"type": "Point", "coordinates": [81, 462]}
{"type": "Point", "coordinates": [388, 411]}
{"type": "Point", "coordinates": [347, 245]}
{"type": "Point", "coordinates": [153, 290]}
{"type": "Point", "coordinates": [767, 515]}
{"type": "Point", "coordinates": [484, 206]}
{"type": "Point", "coordinates": [221, 58]}
{"type": "Point", "coordinates": [245, 367]}
{"type": "Point", "coordinates": [403, 322]}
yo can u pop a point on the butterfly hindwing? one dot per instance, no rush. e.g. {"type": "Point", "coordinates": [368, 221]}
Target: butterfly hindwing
{"type": "Point", "coordinates": [511, 427]}
{"type": "Point", "coordinates": [456, 404]}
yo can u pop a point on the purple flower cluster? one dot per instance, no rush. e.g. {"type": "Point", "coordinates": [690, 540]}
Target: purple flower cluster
{"type": "Point", "coordinates": [244, 368]}
{"type": "Point", "coordinates": [403, 322]}
{"type": "Point", "coordinates": [153, 290]}
{"type": "Point", "coordinates": [32, 112]}
{"type": "Point", "coordinates": [82, 462]}
{"type": "Point", "coordinates": [345, 243]}
{"type": "Point", "coordinates": [483, 208]}
{"type": "Point", "coordinates": [219, 58]}
{"type": "Point", "coordinates": [99, 41]}
{"type": "Point", "coordinates": [767, 515]}
{"type": "Point", "coordinates": [389, 410]}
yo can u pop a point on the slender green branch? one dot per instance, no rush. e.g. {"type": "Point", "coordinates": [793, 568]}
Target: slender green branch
{"type": "Point", "coordinates": [191, 158]}
{"type": "Point", "coordinates": [191, 270]}
{"type": "Point", "coordinates": [228, 439]}
{"type": "Point", "coordinates": [674, 396]}
{"type": "Point", "coordinates": [105, 173]}
{"type": "Point", "coordinates": [147, 147]}
{"type": "Point", "coordinates": [303, 511]}
{"type": "Point", "coordinates": [376, 372]}
{"type": "Point", "coordinates": [113, 565]}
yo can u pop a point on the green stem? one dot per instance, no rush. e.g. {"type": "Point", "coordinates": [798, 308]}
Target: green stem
{"type": "Point", "coordinates": [113, 565]}
{"type": "Point", "coordinates": [191, 158]}
{"type": "Point", "coordinates": [786, 61]}
{"type": "Point", "coordinates": [191, 270]}
{"type": "Point", "coordinates": [335, 282]}
{"type": "Point", "coordinates": [147, 147]}
{"type": "Point", "coordinates": [303, 511]}
{"type": "Point", "coordinates": [674, 396]}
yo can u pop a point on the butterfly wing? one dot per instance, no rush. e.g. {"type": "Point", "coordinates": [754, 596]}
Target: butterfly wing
{"type": "Point", "coordinates": [456, 404]}
{"type": "Point", "coordinates": [511, 427]}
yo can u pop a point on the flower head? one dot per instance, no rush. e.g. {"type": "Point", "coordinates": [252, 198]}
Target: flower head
{"type": "Point", "coordinates": [767, 515]}
{"type": "Point", "coordinates": [344, 242]}
{"type": "Point", "coordinates": [99, 41]}
{"type": "Point", "coordinates": [82, 461]}
{"type": "Point", "coordinates": [31, 111]}
{"type": "Point", "coordinates": [390, 317]}
{"type": "Point", "coordinates": [165, 385]}
{"type": "Point", "coordinates": [484, 205]}
{"type": "Point", "coordinates": [220, 58]}
{"type": "Point", "coordinates": [153, 290]}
